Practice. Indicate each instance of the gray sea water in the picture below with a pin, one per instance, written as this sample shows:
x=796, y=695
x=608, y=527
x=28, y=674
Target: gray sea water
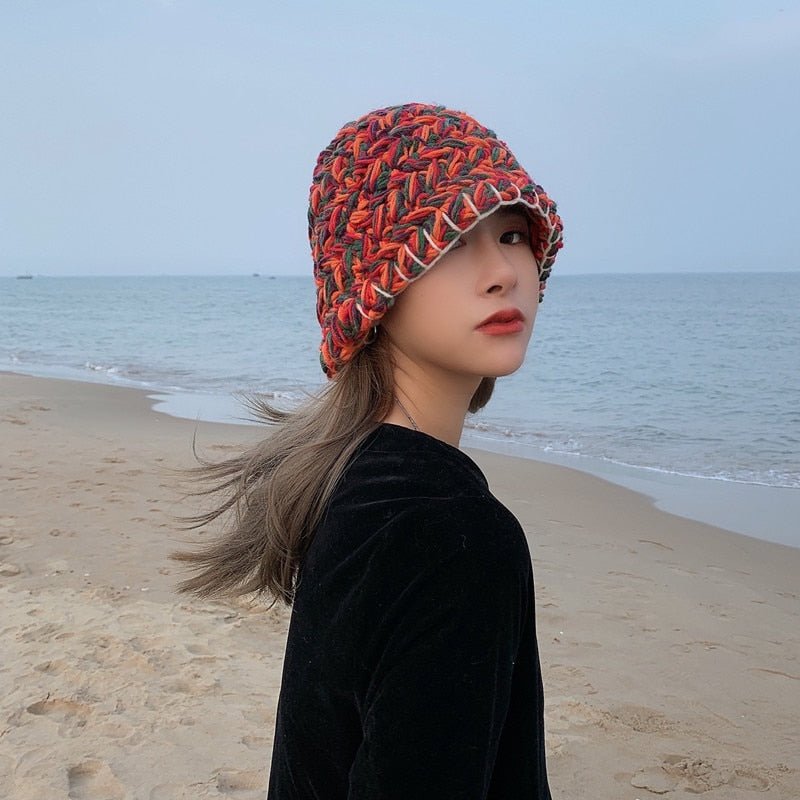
x=690, y=374
x=694, y=374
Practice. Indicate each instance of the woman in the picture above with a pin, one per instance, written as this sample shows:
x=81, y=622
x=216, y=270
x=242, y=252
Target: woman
x=411, y=667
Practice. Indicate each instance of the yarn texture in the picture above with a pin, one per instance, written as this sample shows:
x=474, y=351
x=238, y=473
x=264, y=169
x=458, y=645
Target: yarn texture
x=390, y=196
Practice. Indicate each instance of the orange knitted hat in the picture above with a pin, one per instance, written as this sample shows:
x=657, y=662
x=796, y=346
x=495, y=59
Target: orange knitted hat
x=390, y=195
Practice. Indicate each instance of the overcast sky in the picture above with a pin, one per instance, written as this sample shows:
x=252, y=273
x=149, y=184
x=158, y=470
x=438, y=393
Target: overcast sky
x=179, y=136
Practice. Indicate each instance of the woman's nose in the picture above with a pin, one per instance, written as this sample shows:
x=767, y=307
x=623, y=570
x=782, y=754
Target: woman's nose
x=499, y=272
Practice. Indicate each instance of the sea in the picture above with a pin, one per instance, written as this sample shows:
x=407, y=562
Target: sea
x=678, y=385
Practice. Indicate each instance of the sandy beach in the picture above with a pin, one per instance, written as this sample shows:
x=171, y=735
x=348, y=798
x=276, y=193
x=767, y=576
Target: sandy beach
x=670, y=648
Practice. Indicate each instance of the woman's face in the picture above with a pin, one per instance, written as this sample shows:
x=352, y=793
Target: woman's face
x=435, y=322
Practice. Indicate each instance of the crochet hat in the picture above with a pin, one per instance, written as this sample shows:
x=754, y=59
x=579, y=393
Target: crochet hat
x=390, y=195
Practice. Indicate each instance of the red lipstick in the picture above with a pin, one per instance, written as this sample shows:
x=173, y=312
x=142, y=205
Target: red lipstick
x=507, y=320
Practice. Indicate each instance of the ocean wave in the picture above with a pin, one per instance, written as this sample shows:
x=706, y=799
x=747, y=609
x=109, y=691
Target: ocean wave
x=101, y=368
x=530, y=443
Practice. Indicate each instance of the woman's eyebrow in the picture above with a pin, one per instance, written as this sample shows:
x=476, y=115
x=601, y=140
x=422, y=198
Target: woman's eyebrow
x=512, y=211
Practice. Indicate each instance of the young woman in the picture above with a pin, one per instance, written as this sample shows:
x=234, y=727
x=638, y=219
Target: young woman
x=411, y=668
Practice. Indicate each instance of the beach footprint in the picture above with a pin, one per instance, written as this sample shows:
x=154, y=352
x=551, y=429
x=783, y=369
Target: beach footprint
x=233, y=782
x=641, y=719
x=255, y=742
x=53, y=666
x=69, y=715
x=752, y=779
x=94, y=780
x=699, y=775
x=654, y=779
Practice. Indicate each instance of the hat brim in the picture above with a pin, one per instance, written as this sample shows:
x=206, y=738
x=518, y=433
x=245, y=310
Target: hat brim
x=422, y=235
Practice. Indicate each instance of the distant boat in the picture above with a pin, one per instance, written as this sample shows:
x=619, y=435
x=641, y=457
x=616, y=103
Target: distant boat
x=25, y=277
x=256, y=275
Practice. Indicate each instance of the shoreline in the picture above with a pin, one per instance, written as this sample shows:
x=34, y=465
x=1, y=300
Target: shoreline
x=758, y=510
x=764, y=512
x=767, y=513
x=670, y=648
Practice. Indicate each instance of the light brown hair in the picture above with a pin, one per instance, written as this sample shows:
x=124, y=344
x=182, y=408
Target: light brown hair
x=273, y=495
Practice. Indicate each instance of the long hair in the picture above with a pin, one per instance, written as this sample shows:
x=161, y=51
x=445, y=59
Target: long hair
x=273, y=495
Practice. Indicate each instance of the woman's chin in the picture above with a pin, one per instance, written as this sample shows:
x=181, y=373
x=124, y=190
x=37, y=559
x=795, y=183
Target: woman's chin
x=502, y=367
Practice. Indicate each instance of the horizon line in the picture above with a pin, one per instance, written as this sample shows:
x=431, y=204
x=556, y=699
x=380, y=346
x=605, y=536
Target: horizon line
x=245, y=274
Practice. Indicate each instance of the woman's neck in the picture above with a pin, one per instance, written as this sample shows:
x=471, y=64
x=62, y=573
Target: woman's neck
x=436, y=405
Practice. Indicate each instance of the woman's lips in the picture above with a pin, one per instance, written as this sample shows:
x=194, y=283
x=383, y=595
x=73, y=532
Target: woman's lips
x=501, y=328
x=507, y=320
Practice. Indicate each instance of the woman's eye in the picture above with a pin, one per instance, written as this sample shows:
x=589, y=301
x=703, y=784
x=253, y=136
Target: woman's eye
x=518, y=237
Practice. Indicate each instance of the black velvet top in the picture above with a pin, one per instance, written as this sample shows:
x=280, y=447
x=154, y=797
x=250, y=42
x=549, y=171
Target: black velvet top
x=412, y=670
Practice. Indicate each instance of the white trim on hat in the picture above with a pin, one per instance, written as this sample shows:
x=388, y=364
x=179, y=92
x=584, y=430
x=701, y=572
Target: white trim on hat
x=422, y=264
x=451, y=223
x=498, y=195
x=431, y=242
x=381, y=291
x=469, y=202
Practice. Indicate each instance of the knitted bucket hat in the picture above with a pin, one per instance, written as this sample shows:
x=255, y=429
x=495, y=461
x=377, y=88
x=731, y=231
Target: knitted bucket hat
x=390, y=195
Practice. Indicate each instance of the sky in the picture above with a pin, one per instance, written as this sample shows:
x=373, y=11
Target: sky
x=179, y=136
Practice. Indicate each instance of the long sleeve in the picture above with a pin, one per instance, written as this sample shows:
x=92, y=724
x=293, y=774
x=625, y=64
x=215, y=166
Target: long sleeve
x=412, y=667
x=445, y=649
